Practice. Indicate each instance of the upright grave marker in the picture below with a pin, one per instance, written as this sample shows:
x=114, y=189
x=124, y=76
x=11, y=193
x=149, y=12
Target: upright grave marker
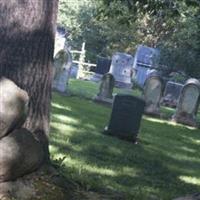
x=121, y=68
x=62, y=64
x=106, y=89
x=153, y=93
x=188, y=103
x=103, y=67
x=125, y=118
x=171, y=94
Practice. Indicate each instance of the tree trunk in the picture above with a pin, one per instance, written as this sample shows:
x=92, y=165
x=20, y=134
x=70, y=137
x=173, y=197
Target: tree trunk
x=26, y=54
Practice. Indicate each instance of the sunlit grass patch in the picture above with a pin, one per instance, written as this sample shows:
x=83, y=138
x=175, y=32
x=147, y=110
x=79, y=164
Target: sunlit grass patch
x=158, y=167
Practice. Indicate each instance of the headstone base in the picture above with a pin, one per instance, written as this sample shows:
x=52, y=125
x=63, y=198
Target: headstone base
x=131, y=137
x=103, y=100
x=185, y=119
x=96, y=77
x=123, y=85
x=151, y=110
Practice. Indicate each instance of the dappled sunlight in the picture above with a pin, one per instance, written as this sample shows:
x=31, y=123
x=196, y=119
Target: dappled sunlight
x=63, y=128
x=188, y=149
x=66, y=119
x=81, y=166
x=191, y=180
x=163, y=121
x=56, y=105
x=164, y=153
x=168, y=108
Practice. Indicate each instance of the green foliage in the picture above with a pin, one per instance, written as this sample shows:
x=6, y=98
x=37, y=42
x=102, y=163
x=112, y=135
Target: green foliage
x=120, y=25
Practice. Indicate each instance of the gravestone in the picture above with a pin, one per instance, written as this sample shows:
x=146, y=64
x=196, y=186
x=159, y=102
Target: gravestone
x=188, y=103
x=145, y=59
x=103, y=67
x=125, y=118
x=60, y=38
x=106, y=89
x=171, y=94
x=62, y=65
x=121, y=68
x=153, y=93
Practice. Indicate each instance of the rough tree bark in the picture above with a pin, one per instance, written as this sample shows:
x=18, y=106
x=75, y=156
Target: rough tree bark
x=26, y=53
x=27, y=29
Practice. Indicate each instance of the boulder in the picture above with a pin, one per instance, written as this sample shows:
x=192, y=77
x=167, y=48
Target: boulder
x=13, y=106
x=20, y=154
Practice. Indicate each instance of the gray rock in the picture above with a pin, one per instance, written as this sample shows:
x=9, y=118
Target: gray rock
x=20, y=154
x=13, y=106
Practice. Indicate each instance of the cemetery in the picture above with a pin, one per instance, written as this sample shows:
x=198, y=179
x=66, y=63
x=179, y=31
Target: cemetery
x=118, y=133
x=98, y=103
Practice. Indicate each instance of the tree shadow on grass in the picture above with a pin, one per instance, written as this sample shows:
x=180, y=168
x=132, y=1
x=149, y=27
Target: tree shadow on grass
x=161, y=165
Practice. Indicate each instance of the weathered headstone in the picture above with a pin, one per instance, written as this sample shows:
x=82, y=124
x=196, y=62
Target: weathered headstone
x=126, y=116
x=13, y=106
x=188, y=103
x=171, y=94
x=153, y=93
x=60, y=38
x=62, y=64
x=121, y=68
x=106, y=89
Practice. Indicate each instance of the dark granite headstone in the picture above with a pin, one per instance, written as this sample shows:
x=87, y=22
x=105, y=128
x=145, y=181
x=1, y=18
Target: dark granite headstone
x=125, y=117
x=103, y=65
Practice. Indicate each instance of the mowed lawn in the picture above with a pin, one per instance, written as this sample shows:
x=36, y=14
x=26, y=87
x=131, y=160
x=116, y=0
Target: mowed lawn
x=164, y=165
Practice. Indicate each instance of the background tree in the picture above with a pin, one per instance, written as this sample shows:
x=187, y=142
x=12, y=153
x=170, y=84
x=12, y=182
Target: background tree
x=120, y=25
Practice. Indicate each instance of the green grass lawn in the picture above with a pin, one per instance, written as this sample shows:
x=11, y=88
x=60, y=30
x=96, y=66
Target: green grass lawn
x=164, y=165
x=88, y=89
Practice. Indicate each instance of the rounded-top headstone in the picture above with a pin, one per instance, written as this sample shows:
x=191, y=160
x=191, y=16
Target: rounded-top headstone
x=189, y=96
x=188, y=103
x=13, y=106
x=153, y=93
x=62, y=65
x=106, y=86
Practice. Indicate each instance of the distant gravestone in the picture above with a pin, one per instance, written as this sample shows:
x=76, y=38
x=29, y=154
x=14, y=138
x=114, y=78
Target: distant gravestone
x=171, y=94
x=121, y=68
x=188, y=103
x=125, y=118
x=153, y=93
x=62, y=64
x=145, y=59
x=103, y=65
x=106, y=89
